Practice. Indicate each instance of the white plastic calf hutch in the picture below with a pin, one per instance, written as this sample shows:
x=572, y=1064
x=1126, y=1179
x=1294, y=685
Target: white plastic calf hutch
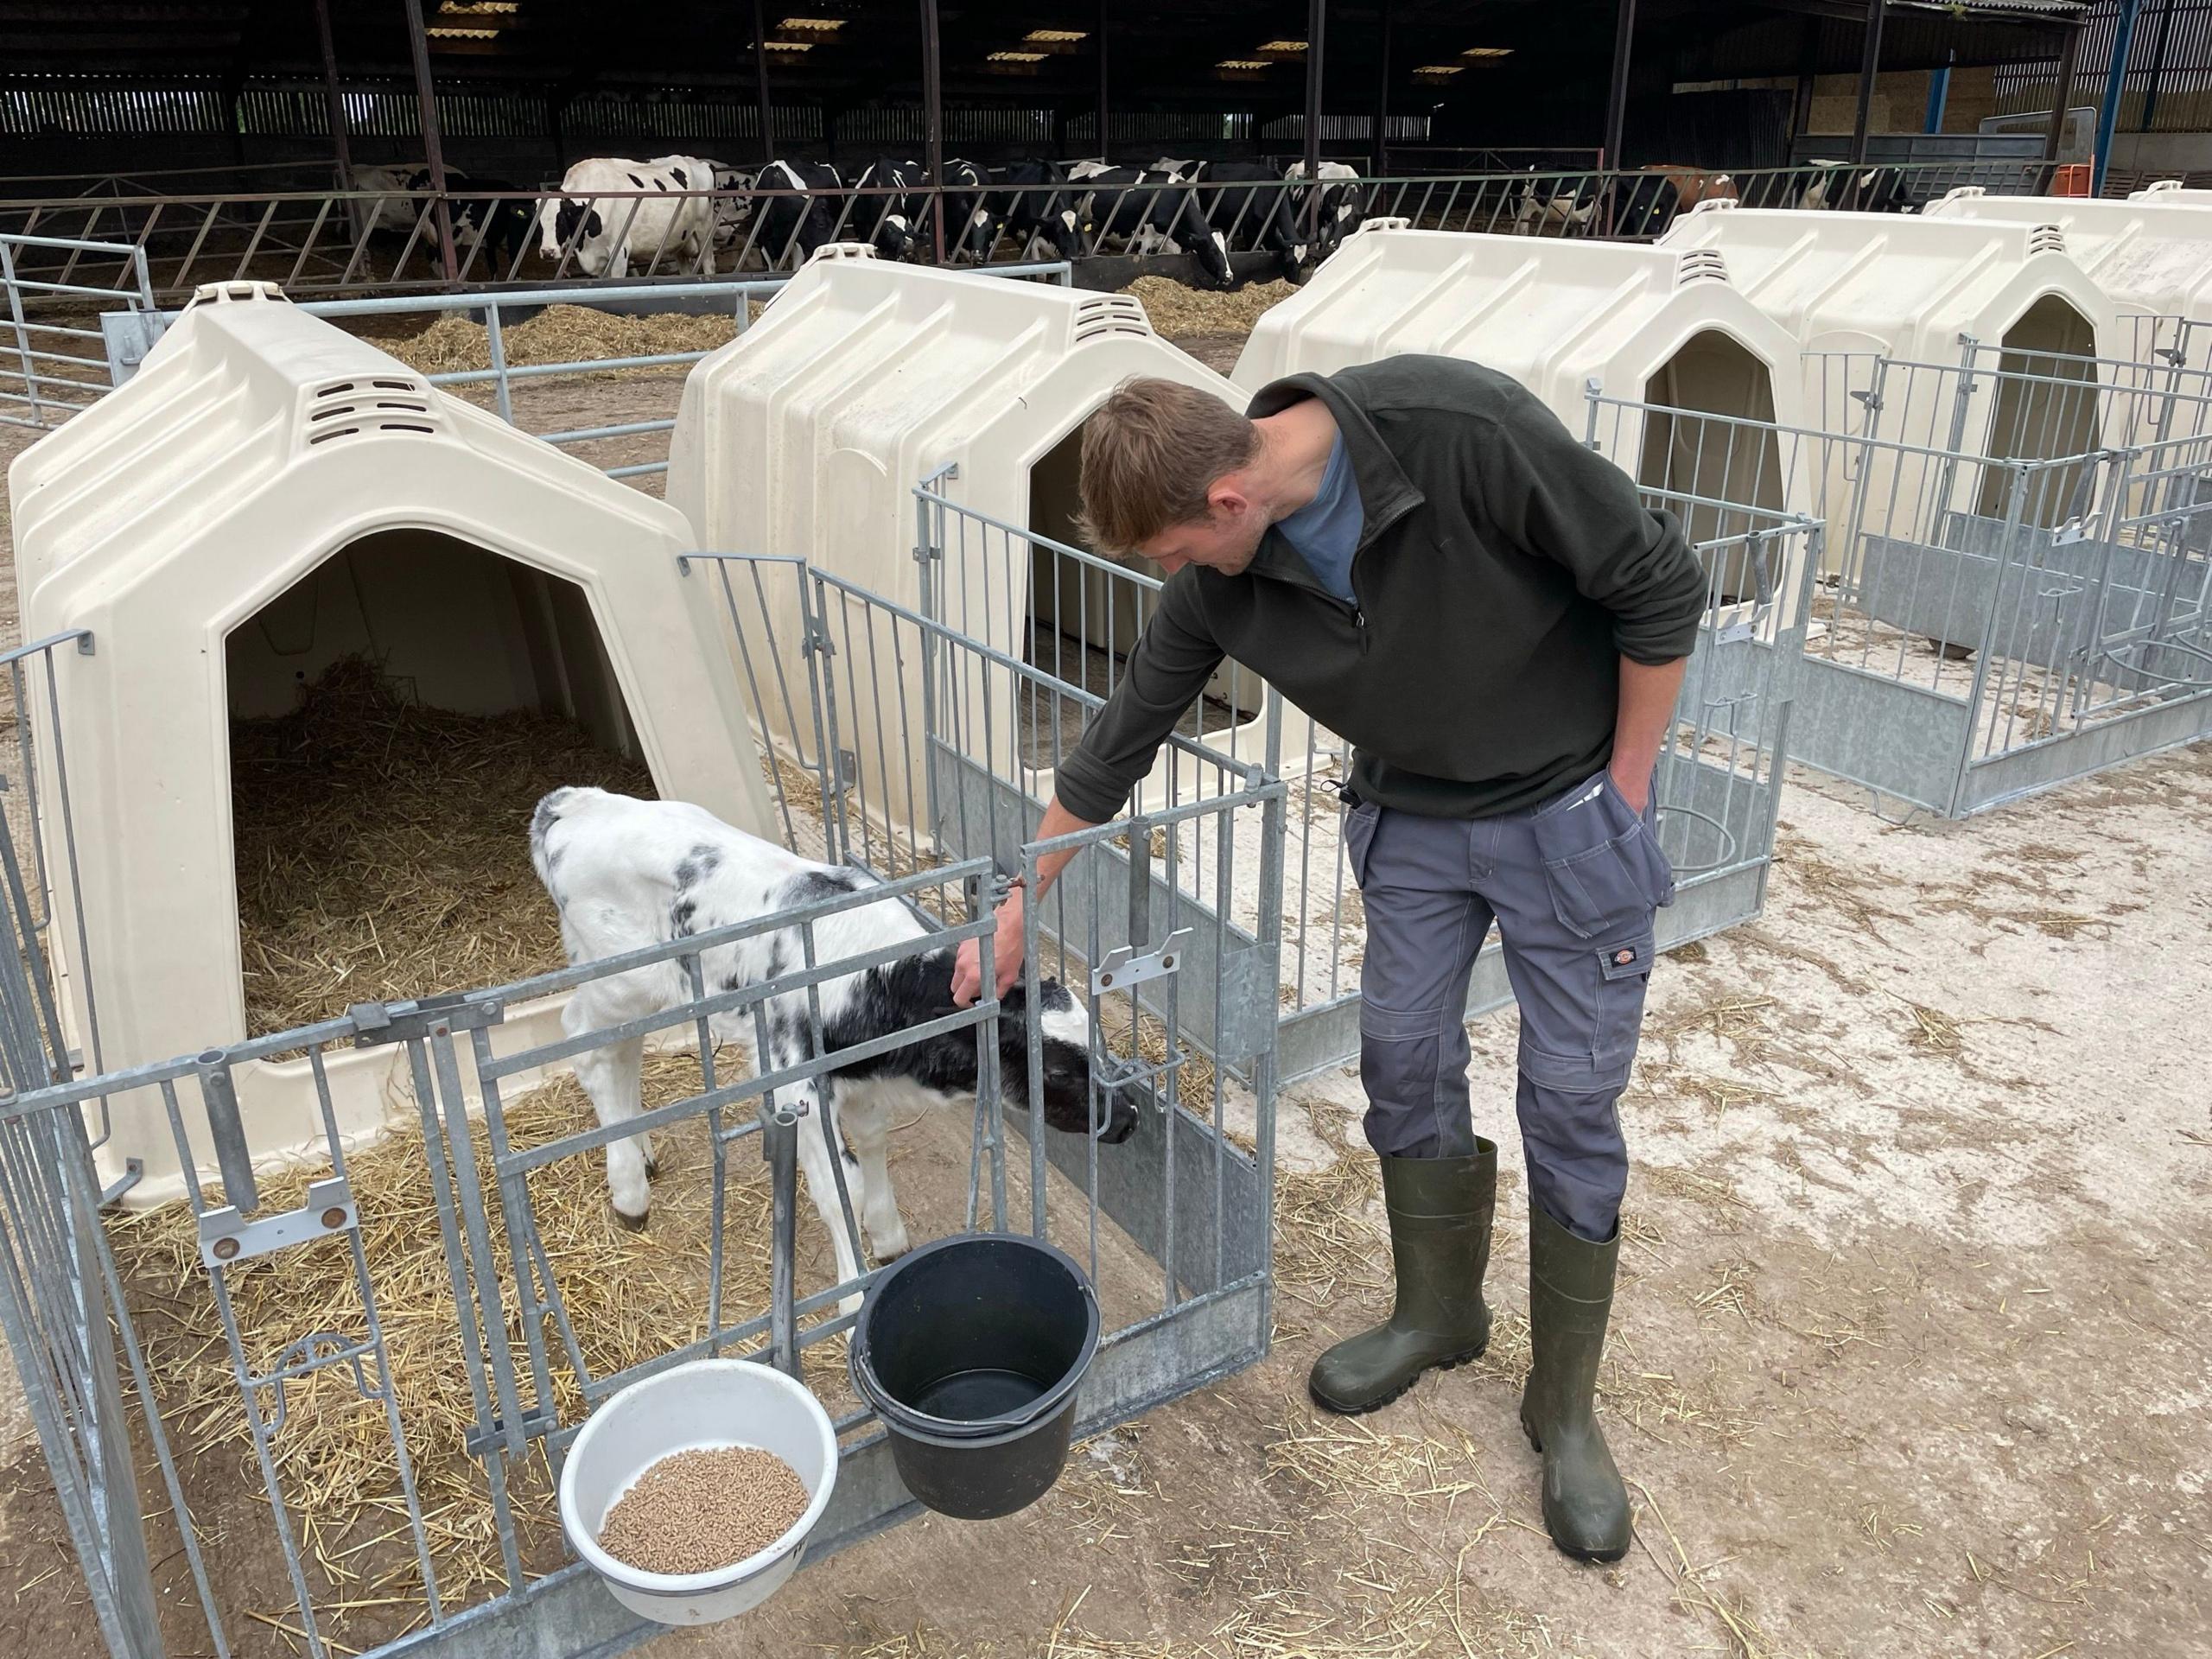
x=807, y=434
x=2152, y=254
x=1987, y=633
x=1853, y=289
x=1637, y=323
x=267, y=496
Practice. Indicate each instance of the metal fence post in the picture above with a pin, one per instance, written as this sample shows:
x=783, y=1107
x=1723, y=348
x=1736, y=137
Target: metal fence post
x=495, y=339
x=2008, y=557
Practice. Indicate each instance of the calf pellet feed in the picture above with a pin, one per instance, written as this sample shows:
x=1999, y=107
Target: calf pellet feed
x=694, y=1511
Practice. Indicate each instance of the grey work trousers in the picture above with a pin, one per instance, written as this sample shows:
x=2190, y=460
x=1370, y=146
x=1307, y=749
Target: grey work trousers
x=1573, y=884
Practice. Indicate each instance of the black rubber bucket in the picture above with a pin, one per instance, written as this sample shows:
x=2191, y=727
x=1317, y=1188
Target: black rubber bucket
x=970, y=1349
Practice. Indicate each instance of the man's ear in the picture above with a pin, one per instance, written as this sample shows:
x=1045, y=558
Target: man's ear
x=1226, y=496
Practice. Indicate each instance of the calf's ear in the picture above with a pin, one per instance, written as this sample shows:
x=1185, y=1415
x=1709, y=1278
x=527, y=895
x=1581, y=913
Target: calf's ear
x=594, y=224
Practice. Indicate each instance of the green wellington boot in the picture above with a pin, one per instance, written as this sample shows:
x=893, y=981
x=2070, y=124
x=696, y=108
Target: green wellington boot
x=1440, y=1210
x=1570, y=1294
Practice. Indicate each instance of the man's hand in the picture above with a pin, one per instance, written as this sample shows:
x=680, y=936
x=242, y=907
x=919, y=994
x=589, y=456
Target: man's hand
x=1006, y=956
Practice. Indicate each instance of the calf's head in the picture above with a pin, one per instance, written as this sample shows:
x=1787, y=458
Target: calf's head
x=1060, y=1025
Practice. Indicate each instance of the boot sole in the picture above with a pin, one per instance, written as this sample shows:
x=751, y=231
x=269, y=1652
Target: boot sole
x=1602, y=1556
x=1451, y=1365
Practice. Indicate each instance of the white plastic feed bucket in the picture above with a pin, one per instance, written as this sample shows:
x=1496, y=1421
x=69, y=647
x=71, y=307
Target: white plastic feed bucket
x=704, y=1405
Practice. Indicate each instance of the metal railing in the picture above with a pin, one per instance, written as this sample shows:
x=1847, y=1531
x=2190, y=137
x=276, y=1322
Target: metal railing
x=343, y=241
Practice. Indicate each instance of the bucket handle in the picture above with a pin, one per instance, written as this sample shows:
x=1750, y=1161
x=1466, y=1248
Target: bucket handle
x=872, y=1389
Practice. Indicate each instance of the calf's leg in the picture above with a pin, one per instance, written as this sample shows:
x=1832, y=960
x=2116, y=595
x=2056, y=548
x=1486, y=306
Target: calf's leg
x=611, y=1076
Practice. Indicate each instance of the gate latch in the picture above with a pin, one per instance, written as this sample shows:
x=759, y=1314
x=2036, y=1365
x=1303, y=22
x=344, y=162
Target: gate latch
x=1123, y=967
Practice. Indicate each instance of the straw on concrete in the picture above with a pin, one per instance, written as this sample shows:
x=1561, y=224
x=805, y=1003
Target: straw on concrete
x=382, y=847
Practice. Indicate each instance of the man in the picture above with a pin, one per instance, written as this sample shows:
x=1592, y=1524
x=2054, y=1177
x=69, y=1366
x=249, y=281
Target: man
x=1419, y=555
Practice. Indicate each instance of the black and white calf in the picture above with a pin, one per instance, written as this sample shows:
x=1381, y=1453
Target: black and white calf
x=626, y=874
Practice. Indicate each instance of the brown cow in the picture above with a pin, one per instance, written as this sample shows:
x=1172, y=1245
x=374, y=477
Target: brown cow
x=1650, y=197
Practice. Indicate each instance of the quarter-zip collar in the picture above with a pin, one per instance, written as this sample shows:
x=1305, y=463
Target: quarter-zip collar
x=1386, y=494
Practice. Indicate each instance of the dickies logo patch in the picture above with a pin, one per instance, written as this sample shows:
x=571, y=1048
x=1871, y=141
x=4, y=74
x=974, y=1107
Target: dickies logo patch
x=1624, y=958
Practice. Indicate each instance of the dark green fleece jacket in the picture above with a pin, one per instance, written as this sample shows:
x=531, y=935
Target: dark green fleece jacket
x=1502, y=573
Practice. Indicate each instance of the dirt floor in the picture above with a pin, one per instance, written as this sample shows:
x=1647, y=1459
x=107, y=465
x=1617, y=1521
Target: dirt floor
x=1909, y=1355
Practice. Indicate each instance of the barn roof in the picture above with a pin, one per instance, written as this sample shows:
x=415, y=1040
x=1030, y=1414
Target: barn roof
x=1225, y=55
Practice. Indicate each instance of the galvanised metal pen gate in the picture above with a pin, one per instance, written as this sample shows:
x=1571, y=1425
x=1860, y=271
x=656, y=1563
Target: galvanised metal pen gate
x=365, y=1381
x=1071, y=618
x=2017, y=586
x=54, y=362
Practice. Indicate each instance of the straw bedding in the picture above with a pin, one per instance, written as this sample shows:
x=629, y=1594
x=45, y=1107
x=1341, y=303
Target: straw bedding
x=383, y=847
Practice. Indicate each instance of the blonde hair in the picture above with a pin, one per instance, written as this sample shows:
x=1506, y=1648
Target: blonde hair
x=1150, y=453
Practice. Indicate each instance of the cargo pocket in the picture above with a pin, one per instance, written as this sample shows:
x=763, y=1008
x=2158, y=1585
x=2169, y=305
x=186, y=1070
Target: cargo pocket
x=1624, y=977
x=1360, y=826
x=1604, y=870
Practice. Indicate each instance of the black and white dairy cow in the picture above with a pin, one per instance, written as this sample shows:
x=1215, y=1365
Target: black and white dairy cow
x=733, y=202
x=601, y=221
x=1031, y=202
x=1555, y=204
x=396, y=209
x=498, y=223
x=793, y=225
x=1154, y=212
x=1251, y=209
x=626, y=874
x=1869, y=190
x=1342, y=207
x=971, y=220
x=891, y=219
